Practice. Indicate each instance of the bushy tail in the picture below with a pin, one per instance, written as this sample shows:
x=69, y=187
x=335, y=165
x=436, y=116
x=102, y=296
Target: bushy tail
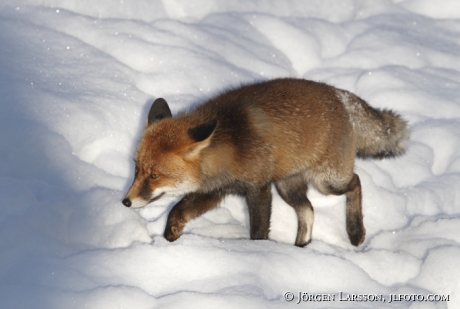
x=379, y=133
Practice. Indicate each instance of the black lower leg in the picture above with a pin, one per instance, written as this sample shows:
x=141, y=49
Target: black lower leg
x=190, y=207
x=259, y=202
x=355, y=226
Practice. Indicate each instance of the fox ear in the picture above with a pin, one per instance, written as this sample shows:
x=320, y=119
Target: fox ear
x=201, y=134
x=158, y=111
x=202, y=131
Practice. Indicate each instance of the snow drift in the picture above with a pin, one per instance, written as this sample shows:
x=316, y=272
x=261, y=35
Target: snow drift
x=77, y=79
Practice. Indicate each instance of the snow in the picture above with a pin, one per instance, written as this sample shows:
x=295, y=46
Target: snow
x=76, y=81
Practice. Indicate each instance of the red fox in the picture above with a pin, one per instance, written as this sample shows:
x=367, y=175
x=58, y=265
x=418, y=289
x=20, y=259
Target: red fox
x=289, y=132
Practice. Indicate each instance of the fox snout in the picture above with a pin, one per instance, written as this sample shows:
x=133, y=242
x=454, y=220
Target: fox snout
x=138, y=202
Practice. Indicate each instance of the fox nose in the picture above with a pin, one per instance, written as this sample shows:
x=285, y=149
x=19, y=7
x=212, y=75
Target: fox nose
x=126, y=202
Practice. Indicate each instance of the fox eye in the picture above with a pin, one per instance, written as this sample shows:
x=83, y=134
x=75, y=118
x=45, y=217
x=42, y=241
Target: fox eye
x=154, y=176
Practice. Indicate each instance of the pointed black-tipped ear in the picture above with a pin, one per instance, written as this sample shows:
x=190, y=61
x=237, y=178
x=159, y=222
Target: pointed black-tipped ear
x=202, y=131
x=158, y=111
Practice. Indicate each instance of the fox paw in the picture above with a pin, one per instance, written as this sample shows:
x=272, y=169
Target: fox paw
x=356, y=234
x=173, y=232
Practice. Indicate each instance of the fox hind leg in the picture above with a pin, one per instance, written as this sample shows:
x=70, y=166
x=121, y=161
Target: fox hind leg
x=293, y=190
x=355, y=226
x=354, y=215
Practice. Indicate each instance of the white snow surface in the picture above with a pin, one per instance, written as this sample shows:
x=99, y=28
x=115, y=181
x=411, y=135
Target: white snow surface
x=77, y=78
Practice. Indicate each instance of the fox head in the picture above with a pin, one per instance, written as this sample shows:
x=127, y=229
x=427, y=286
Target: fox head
x=168, y=156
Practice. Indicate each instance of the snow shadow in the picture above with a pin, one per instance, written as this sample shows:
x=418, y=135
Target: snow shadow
x=54, y=204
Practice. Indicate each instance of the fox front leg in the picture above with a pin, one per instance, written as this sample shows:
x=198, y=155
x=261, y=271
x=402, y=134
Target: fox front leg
x=190, y=207
x=259, y=202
